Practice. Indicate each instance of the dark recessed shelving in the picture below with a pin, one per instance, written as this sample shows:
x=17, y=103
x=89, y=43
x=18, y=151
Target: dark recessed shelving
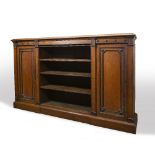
x=64, y=73
x=65, y=77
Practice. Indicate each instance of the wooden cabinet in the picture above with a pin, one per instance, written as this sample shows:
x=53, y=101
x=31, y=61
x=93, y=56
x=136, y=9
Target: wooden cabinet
x=87, y=78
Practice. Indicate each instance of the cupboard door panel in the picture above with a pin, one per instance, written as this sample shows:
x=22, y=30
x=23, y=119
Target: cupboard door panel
x=26, y=73
x=111, y=83
x=111, y=80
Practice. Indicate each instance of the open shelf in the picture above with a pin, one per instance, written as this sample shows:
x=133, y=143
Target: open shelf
x=70, y=52
x=66, y=106
x=82, y=67
x=67, y=89
x=65, y=60
x=71, y=81
x=48, y=95
x=63, y=73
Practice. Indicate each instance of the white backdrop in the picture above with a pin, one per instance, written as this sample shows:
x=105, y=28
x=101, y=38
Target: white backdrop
x=23, y=132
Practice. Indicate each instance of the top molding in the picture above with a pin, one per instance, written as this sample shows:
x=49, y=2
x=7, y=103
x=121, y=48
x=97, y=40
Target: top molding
x=128, y=35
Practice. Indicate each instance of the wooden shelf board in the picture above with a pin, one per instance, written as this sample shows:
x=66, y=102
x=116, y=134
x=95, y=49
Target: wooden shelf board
x=65, y=60
x=67, y=106
x=67, y=89
x=63, y=73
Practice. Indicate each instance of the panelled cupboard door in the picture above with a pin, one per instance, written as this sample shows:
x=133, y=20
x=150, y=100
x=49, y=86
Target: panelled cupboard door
x=111, y=77
x=25, y=74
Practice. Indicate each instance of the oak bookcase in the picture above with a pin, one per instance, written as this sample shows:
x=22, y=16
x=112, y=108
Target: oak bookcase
x=85, y=78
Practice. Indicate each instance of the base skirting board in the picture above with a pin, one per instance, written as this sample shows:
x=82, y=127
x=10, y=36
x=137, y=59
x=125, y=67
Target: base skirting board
x=81, y=117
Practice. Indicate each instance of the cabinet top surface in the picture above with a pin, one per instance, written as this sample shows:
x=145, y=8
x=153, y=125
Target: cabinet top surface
x=80, y=37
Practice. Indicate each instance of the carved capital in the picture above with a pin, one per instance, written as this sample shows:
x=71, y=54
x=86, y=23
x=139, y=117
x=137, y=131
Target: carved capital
x=15, y=44
x=36, y=43
x=93, y=43
x=131, y=42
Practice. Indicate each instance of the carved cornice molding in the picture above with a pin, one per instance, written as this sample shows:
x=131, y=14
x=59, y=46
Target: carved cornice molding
x=129, y=41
